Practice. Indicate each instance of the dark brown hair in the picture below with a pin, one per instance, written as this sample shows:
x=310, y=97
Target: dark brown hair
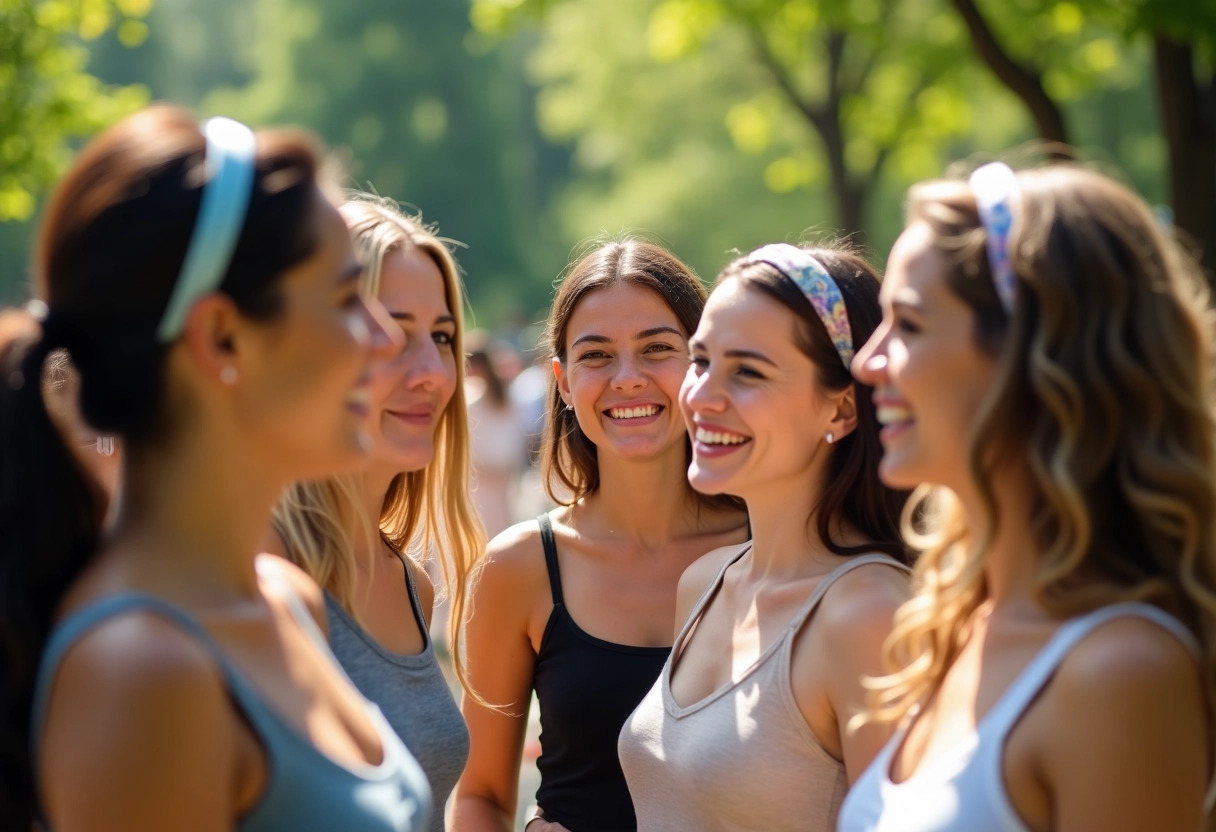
x=108, y=254
x=853, y=493
x=568, y=457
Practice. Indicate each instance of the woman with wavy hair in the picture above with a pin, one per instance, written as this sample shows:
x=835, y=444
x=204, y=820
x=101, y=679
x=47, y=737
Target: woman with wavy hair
x=1044, y=367
x=578, y=604
x=783, y=627
x=158, y=673
x=355, y=534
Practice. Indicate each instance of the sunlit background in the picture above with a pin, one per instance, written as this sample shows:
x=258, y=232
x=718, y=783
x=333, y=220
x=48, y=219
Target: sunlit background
x=524, y=128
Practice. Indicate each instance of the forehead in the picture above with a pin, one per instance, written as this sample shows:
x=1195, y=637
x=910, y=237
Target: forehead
x=915, y=270
x=620, y=311
x=741, y=316
x=410, y=279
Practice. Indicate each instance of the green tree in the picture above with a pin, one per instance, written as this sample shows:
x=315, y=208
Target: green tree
x=47, y=98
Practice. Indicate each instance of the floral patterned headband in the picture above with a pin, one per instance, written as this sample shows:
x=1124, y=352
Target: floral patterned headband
x=995, y=187
x=820, y=289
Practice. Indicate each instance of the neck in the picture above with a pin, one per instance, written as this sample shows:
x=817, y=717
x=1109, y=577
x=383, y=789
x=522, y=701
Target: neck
x=646, y=501
x=192, y=514
x=785, y=539
x=1011, y=560
x=373, y=485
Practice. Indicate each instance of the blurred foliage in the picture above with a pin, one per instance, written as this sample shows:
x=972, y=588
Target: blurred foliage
x=47, y=98
x=525, y=128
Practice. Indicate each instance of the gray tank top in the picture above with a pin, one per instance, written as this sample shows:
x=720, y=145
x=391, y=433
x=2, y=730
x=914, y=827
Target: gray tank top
x=742, y=757
x=305, y=790
x=412, y=693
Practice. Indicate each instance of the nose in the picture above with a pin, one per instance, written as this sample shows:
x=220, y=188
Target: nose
x=425, y=367
x=628, y=375
x=869, y=366
x=376, y=328
x=699, y=392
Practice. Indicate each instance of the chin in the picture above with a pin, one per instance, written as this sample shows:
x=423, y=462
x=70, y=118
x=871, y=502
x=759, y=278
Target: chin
x=705, y=483
x=895, y=475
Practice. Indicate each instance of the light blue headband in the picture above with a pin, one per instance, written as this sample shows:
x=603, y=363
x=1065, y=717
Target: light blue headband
x=995, y=186
x=819, y=287
x=229, y=169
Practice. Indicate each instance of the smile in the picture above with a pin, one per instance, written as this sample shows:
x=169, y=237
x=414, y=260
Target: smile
x=633, y=412
x=717, y=437
x=893, y=414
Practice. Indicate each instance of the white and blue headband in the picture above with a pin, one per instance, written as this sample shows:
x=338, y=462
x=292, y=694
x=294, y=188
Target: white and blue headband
x=229, y=170
x=809, y=275
x=995, y=187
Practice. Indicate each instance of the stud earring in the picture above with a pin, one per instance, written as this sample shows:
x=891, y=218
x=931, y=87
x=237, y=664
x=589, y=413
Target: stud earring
x=831, y=437
x=570, y=407
x=228, y=376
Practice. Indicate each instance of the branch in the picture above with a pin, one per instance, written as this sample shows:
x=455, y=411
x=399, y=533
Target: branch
x=1023, y=82
x=818, y=116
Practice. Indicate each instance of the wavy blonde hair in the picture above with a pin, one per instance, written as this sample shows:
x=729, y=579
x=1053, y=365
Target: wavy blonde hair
x=424, y=511
x=1104, y=383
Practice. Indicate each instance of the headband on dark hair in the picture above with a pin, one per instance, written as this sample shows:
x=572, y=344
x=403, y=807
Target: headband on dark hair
x=820, y=288
x=229, y=169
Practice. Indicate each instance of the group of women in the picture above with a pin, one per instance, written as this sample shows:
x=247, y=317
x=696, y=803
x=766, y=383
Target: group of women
x=934, y=552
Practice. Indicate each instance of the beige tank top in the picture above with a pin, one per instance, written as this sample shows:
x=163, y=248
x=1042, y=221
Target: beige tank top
x=742, y=757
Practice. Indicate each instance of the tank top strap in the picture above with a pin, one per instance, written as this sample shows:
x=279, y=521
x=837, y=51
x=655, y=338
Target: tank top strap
x=1008, y=709
x=80, y=622
x=703, y=601
x=549, y=542
x=270, y=572
x=412, y=586
x=799, y=619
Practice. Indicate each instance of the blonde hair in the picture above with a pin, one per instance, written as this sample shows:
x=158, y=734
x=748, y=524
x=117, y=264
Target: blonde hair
x=1103, y=382
x=423, y=511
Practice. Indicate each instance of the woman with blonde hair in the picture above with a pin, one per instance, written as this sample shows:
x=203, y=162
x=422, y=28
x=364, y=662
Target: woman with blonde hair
x=355, y=535
x=578, y=605
x=1044, y=367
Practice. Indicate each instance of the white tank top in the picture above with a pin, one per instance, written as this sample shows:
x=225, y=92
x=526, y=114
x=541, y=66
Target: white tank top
x=964, y=790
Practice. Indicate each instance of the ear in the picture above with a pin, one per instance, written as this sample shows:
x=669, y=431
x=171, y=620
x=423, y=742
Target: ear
x=212, y=334
x=563, y=383
x=844, y=418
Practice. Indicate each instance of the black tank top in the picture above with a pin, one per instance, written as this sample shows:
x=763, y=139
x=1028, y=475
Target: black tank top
x=586, y=688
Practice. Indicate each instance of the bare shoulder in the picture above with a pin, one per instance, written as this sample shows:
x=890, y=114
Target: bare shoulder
x=861, y=601
x=297, y=581
x=512, y=573
x=1129, y=661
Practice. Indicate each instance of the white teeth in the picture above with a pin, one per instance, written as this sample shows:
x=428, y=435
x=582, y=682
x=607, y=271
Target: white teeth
x=632, y=412
x=713, y=437
x=888, y=414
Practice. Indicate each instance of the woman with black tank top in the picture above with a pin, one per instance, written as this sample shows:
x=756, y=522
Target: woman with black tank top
x=579, y=606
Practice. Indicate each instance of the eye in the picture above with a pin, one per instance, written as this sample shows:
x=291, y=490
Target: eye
x=699, y=363
x=593, y=355
x=443, y=339
x=902, y=324
x=748, y=372
x=659, y=346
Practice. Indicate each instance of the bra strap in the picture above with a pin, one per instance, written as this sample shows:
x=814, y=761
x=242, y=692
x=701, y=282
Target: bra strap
x=549, y=542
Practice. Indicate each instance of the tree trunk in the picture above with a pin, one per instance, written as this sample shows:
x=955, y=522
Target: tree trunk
x=1188, y=118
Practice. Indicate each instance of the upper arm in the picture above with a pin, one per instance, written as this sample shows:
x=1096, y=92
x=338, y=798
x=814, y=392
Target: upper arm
x=506, y=596
x=139, y=734
x=852, y=625
x=696, y=579
x=1126, y=745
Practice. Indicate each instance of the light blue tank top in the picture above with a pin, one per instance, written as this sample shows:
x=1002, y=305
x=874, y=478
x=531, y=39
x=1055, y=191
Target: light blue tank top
x=305, y=790
x=964, y=790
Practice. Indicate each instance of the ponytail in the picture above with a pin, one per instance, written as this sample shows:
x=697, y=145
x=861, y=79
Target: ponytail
x=50, y=516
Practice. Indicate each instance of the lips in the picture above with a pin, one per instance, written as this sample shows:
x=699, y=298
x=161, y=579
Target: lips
x=893, y=414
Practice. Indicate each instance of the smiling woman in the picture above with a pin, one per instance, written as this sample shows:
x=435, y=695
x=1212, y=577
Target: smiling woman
x=579, y=605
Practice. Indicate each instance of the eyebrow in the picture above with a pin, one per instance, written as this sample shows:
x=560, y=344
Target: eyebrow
x=641, y=336
x=752, y=354
x=409, y=316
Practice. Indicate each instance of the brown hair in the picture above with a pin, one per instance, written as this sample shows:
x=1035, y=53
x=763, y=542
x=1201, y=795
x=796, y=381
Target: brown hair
x=568, y=457
x=854, y=494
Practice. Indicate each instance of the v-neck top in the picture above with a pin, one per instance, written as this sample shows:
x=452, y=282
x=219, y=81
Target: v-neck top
x=305, y=789
x=412, y=693
x=964, y=789
x=742, y=757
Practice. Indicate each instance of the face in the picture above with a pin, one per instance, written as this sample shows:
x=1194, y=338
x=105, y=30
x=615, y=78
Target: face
x=306, y=390
x=928, y=374
x=626, y=354
x=750, y=399
x=410, y=393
